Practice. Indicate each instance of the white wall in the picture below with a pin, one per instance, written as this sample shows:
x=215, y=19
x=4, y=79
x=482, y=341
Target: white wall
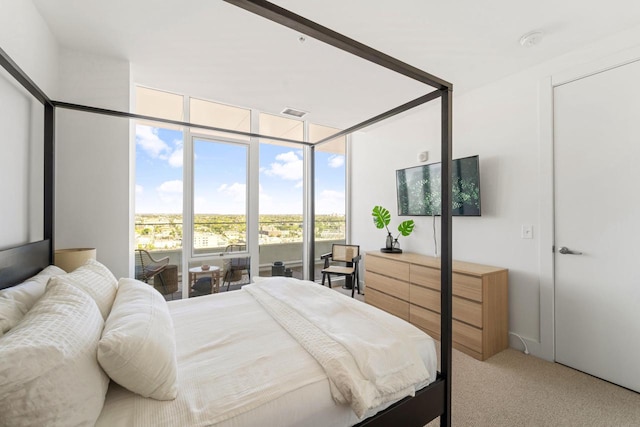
x=92, y=191
x=501, y=123
x=26, y=38
x=21, y=173
x=92, y=196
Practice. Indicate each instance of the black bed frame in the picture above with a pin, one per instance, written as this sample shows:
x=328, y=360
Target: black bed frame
x=19, y=263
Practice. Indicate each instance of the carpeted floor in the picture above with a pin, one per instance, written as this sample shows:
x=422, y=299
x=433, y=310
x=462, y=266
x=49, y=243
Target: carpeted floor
x=513, y=389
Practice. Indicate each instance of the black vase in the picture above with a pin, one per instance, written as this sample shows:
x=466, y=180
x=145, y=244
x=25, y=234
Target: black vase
x=389, y=243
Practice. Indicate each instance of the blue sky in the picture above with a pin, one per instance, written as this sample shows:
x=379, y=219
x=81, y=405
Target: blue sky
x=220, y=185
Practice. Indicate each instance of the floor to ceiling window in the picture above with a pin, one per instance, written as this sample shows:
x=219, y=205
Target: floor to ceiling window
x=281, y=175
x=330, y=189
x=219, y=195
x=194, y=191
x=220, y=177
x=159, y=170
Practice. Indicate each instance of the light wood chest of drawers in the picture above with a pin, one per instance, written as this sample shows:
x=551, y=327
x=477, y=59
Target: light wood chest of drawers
x=408, y=286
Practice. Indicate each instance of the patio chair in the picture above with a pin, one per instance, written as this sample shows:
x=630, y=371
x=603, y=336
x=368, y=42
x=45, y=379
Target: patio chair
x=235, y=267
x=148, y=267
x=347, y=258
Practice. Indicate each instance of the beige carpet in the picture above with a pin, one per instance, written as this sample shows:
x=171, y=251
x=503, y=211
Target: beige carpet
x=513, y=389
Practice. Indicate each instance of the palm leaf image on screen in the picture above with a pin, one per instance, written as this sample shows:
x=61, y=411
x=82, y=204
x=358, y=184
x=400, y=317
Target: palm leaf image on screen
x=419, y=188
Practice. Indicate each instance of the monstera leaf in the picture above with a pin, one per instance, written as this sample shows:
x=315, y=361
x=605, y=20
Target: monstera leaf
x=406, y=227
x=381, y=217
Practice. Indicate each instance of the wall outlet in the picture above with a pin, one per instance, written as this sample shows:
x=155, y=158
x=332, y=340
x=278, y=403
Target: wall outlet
x=527, y=232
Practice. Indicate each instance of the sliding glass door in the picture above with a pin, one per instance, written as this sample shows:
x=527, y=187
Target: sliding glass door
x=220, y=194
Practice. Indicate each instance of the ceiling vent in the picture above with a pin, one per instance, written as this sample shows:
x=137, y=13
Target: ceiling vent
x=293, y=112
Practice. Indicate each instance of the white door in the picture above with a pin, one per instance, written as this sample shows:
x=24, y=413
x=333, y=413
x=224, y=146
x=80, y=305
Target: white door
x=597, y=214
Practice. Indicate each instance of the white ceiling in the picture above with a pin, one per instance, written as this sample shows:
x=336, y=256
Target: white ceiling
x=213, y=50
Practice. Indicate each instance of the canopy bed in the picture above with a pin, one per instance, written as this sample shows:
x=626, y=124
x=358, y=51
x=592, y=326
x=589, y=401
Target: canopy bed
x=430, y=401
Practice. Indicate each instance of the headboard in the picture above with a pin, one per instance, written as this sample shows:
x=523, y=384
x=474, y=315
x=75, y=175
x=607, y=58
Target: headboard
x=22, y=262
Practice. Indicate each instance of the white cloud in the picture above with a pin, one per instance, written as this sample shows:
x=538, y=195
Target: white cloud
x=139, y=189
x=174, y=186
x=176, y=158
x=170, y=193
x=287, y=166
x=330, y=201
x=147, y=137
x=226, y=199
x=336, y=161
x=264, y=197
x=235, y=192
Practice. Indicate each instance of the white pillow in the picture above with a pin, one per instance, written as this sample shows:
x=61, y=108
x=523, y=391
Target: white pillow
x=96, y=280
x=17, y=300
x=49, y=374
x=138, y=347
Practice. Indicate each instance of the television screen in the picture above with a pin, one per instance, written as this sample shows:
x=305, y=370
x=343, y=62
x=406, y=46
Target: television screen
x=419, y=188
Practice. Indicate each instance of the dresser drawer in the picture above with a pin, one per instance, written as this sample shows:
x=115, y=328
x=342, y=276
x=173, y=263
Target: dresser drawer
x=424, y=297
x=388, y=285
x=425, y=319
x=467, y=311
x=467, y=336
x=387, y=267
x=464, y=286
x=464, y=310
x=469, y=287
x=387, y=303
x=425, y=276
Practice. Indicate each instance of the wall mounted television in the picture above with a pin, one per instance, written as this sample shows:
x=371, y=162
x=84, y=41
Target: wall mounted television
x=418, y=188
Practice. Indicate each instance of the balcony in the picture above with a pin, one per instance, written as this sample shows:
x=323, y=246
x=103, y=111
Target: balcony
x=280, y=239
x=289, y=253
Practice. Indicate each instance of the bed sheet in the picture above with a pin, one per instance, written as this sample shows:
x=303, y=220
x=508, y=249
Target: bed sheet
x=238, y=367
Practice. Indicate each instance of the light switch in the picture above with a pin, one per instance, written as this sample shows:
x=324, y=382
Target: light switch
x=527, y=232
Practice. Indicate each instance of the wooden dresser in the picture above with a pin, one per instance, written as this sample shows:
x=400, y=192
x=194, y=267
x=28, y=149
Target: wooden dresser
x=408, y=286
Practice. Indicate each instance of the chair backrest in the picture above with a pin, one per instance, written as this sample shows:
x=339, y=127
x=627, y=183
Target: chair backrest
x=147, y=266
x=235, y=248
x=140, y=258
x=344, y=253
x=241, y=263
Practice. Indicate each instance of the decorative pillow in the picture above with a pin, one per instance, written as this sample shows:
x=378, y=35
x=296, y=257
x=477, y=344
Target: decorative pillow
x=17, y=300
x=96, y=280
x=49, y=374
x=138, y=347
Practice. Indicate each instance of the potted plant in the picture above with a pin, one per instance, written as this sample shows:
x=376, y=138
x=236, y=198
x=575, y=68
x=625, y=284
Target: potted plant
x=381, y=219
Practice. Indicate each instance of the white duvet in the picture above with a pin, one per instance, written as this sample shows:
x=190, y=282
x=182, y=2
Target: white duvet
x=238, y=367
x=367, y=359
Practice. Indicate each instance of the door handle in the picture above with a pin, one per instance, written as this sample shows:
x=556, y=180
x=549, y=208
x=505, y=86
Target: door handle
x=566, y=251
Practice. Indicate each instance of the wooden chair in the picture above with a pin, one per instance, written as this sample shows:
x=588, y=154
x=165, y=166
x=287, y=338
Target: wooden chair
x=348, y=257
x=234, y=267
x=148, y=267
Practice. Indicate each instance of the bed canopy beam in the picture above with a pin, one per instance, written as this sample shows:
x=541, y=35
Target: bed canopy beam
x=126, y=115
x=413, y=410
x=298, y=23
x=25, y=81
x=446, y=263
x=48, y=150
x=383, y=116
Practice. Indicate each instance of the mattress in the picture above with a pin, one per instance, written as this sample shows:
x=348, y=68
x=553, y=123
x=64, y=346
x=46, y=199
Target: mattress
x=238, y=367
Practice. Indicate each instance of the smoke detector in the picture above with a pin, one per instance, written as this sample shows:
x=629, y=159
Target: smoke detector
x=293, y=112
x=531, y=39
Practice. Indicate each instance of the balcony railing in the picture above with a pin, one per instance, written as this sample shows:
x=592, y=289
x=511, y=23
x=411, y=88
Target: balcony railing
x=289, y=253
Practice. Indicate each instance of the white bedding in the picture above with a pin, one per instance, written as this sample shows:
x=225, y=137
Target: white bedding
x=367, y=365
x=238, y=367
